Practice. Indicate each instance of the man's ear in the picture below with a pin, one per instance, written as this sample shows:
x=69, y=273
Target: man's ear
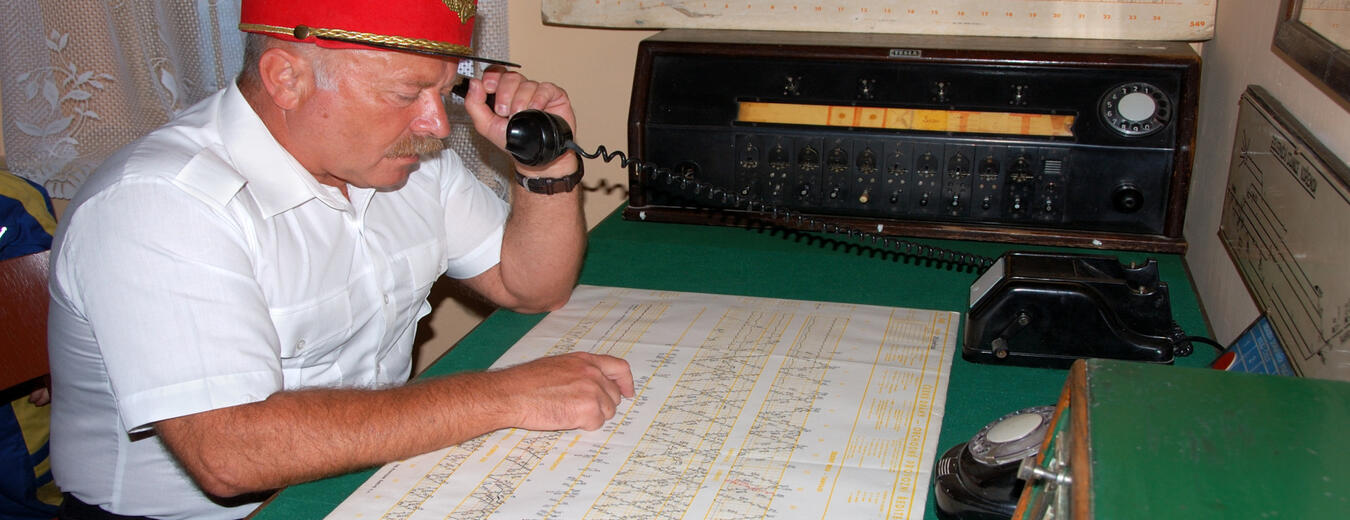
x=288, y=77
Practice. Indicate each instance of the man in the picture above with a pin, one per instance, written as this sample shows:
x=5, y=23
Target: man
x=234, y=296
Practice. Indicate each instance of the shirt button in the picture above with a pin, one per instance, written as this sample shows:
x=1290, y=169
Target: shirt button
x=299, y=345
x=386, y=299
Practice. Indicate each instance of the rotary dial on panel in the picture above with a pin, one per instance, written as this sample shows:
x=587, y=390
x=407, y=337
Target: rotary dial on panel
x=1136, y=109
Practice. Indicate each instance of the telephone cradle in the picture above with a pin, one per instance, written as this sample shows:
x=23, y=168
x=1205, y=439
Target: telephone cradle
x=1047, y=309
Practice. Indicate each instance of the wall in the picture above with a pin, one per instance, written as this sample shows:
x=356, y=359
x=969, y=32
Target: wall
x=1240, y=55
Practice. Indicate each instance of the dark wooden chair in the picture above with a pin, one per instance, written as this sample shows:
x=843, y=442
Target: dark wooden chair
x=23, y=324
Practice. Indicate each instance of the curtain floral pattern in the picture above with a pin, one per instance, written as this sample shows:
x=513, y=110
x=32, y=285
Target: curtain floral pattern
x=80, y=79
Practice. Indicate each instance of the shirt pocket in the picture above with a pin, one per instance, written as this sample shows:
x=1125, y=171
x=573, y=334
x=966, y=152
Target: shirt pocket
x=310, y=336
x=416, y=269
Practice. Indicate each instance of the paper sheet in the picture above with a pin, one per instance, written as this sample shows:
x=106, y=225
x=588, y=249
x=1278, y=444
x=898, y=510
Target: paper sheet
x=745, y=408
x=1191, y=20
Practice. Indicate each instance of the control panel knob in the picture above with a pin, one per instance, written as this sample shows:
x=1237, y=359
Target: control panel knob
x=956, y=201
x=895, y=197
x=923, y=200
x=1127, y=199
x=834, y=193
x=804, y=190
x=940, y=94
x=986, y=203
x=867, y=88
x=866, y=196
x=1017, y=205
x=792, y=85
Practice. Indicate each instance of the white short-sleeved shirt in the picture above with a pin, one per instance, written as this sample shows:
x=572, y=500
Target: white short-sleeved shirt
x=202, y=267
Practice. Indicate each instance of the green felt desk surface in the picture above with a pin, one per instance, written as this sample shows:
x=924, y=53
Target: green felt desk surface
x=776, y=264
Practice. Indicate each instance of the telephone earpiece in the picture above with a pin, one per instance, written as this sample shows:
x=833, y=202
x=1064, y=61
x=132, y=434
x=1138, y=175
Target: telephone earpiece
x=535, y=137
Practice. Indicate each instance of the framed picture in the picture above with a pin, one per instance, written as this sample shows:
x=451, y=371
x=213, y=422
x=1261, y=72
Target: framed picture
x=1313, y=35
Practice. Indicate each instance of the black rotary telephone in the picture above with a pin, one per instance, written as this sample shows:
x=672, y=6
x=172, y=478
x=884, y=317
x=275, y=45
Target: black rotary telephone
x=978, y=479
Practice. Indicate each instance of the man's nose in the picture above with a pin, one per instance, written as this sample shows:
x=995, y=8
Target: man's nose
x=431, y=120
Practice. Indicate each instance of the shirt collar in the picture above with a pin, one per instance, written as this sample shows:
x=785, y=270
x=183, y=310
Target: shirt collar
x=275, y=178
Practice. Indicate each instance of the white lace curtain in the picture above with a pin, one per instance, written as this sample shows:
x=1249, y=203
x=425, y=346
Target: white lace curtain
x=79, y=79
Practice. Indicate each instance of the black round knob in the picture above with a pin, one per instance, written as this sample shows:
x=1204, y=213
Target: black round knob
x=1127, y=198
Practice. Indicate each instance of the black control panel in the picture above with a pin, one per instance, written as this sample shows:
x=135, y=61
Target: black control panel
x=1015, y=140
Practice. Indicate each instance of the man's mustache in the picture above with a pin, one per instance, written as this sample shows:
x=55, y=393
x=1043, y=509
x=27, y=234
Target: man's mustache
x=420, y=146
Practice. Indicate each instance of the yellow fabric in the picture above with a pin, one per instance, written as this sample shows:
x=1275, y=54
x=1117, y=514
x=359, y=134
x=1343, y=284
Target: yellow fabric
x=35, y=423
x=16, y=188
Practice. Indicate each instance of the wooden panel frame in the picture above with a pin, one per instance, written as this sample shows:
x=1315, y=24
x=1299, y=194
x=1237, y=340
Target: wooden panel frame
x=950, y=49
x=1318, y=59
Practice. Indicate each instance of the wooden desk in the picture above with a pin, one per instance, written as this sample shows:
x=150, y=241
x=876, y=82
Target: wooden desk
x=720, y=260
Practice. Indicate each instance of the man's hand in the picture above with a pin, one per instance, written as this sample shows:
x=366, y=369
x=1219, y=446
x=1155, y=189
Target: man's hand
x=41, y=397
x=575, y=390
x=515, y=93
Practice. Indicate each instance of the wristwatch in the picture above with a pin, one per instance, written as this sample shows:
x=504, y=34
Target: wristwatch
x=552, y=185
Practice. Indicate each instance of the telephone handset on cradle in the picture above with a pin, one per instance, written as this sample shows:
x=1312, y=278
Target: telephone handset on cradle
x=1035, y=309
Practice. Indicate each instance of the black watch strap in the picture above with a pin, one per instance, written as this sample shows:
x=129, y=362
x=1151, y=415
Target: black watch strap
x=552, y=185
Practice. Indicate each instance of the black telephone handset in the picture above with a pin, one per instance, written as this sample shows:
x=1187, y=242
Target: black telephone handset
x=535, y=137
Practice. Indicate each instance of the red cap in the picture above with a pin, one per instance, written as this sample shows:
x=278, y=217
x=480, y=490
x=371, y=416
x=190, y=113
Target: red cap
x=436, y=27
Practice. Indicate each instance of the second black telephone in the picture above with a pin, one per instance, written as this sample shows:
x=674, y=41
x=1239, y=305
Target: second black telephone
x=1034, y=309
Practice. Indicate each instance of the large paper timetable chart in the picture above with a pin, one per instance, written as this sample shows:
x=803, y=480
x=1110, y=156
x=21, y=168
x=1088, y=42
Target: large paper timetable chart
x=745, y=408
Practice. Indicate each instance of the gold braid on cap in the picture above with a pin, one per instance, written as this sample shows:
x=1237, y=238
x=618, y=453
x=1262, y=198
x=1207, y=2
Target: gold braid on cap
x=304, y=32
x=466, y=9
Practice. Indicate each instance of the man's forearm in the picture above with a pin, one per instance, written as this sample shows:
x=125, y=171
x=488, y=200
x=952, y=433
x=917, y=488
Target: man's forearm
x=543, y=245
x=294, y=437
x=299, y=436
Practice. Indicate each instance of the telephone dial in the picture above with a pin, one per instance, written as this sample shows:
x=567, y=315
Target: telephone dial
x=1034, y=309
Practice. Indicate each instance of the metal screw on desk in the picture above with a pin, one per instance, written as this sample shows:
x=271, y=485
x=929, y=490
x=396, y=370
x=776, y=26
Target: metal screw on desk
x=1029, y=471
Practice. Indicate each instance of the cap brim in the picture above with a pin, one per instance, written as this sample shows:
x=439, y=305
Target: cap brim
x=428, y=52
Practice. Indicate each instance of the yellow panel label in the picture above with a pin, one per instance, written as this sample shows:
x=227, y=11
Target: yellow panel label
x=953, y=121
